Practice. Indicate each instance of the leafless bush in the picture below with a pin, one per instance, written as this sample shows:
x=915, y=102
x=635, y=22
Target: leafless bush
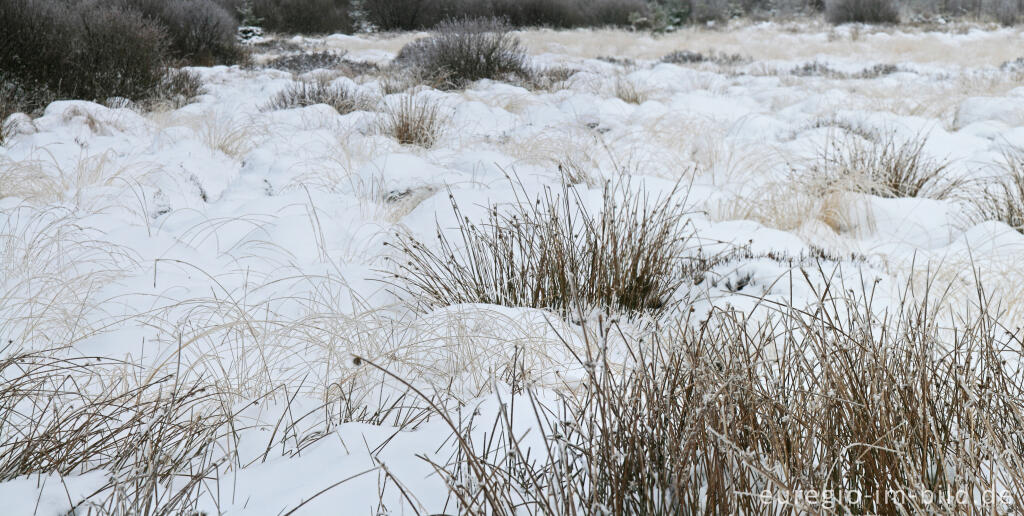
x=415, y=120
x=550, y=252
x=342, y=98
x=419, y=14
x=873, y=413
x=463, y=51
x=306, y=62
x=200, y=32
x=862, y=11
x=88, y=50
x=887, y=168
x=305, y=16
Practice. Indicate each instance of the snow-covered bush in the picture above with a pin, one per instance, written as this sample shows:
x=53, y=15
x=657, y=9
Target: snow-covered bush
x=199, y=31
x=862, y=11
x=463, y=51
x=552, y=252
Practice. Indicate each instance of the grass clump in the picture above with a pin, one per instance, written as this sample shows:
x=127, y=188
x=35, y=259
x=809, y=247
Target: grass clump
x=886, y=168
x=70, y=416
x=415, y=120
x=344, y=99
x=465, y=50
x=862, y=11
x=551, y=252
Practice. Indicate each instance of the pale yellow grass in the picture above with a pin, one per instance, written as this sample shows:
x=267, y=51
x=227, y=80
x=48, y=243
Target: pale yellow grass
x=804, y=41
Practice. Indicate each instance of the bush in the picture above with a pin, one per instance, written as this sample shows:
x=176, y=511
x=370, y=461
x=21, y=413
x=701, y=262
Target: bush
x=550, y=252
x=304, y=16
x=200, y=31
x=343, y=99
x=178, y=88
x=463, y=51
x=419, y=14
x=87, y=50
x=862, y=11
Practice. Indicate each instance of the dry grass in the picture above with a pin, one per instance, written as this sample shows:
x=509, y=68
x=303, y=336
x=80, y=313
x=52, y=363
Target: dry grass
x=1002, y=198
x=414, y=120
x=64, y=416
x=628, y=91
x=797, y=41
x=545, y=252
x=869, y=411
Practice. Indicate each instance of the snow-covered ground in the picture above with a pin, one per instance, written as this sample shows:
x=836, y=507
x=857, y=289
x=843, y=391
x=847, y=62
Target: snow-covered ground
x=246, y=246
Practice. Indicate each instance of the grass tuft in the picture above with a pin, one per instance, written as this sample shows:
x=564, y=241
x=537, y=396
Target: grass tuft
x=886, y=168
x=551, y=252
x=415, y=120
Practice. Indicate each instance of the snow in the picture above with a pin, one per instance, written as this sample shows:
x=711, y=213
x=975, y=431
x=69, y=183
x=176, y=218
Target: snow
x=161, y=224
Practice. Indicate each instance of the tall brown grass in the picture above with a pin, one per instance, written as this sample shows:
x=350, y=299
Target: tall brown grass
x=550, y=251
x=836, y=408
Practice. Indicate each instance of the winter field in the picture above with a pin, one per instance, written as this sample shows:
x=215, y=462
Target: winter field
x=771, y=269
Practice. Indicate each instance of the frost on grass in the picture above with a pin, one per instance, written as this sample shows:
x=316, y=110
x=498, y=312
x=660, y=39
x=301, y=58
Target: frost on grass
x=551, y=251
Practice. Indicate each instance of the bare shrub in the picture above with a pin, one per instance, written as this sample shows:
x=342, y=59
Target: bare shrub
x=89, y=50
x=886, y=168
x=305, y=16
x=306, y=62
x=463, y=51
x=200, y=32
x=419, y=14
x=550, y=252
x=862, y=11
x=342, y=98
x=707, y=416
x=416, y=120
